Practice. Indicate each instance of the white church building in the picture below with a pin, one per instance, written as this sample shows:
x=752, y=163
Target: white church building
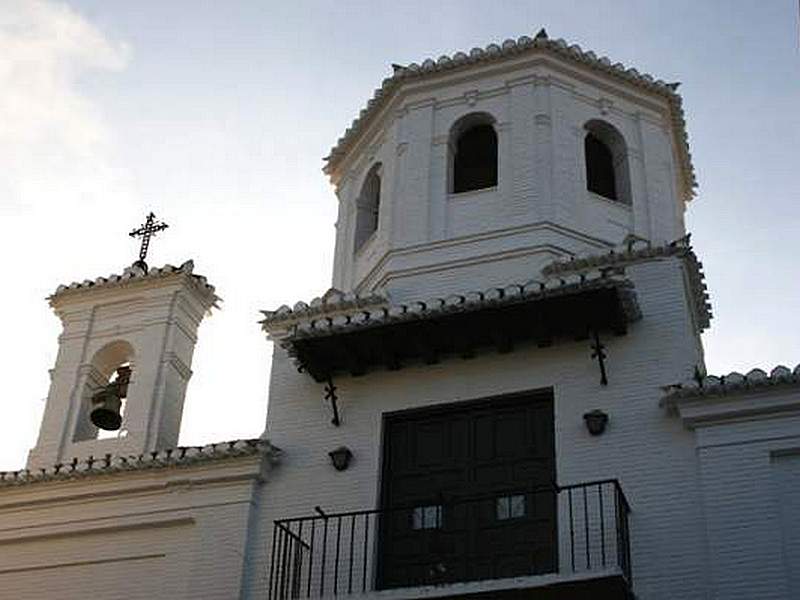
x=502, y=395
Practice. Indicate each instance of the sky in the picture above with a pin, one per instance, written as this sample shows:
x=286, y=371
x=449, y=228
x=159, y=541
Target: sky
x=216, y=115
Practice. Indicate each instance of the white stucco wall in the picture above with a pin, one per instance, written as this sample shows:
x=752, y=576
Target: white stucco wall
x=176, y=533
x=650, y=453
x=749, y=468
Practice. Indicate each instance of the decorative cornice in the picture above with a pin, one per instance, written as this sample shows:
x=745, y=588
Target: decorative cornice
x=362, y=318
x=636, y=250
x=332, y=301
x=134, y=275
x=180, y=457
x=733, y=383
x=514, y=48
x=735, y=397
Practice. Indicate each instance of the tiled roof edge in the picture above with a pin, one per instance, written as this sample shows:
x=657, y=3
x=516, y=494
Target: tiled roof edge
x=637, y=250
x=332, y=301
x=134, y=274
x=533, y=289
x=182, y=456
x=510, y=47
x=733, y=383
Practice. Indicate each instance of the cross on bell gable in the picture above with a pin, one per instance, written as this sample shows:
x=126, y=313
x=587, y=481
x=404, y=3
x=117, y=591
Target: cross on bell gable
x=147, y=231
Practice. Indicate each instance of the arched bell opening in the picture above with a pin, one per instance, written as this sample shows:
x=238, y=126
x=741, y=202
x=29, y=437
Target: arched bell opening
x=473, y=154
x=105, y=392
x=606, y=157
x=368, y=206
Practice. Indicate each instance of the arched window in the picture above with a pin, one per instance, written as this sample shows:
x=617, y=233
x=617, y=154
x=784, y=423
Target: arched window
x=368, y=206
x=474, y=150
x=606, y=162
x=105, y=392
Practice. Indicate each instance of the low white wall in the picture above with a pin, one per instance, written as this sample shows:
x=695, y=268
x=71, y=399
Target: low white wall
x=166, y=533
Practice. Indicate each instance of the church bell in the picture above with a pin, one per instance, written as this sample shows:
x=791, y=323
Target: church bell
x=107, y=402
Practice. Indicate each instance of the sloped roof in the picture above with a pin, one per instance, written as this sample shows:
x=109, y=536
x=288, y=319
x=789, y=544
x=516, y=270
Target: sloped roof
x=182, y=456
x=363, y=339
x=330, y=303
x=512, y=48
x=135, y=274
x=358, y=318
x=637, y=250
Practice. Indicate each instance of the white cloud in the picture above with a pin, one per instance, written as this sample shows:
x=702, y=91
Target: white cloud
x=56, y=167
x=51, y=134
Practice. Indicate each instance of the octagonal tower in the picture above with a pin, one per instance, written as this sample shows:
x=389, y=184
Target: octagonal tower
x=475, y=170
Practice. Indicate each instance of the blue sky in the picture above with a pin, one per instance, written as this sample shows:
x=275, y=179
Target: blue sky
x=216, y=116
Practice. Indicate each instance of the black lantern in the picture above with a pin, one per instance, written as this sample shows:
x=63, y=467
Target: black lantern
x=596, y=421
x=341, y=458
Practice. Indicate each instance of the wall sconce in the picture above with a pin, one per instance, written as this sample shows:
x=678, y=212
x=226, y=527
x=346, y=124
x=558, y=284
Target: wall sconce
x=596, y=421
x=341, y=458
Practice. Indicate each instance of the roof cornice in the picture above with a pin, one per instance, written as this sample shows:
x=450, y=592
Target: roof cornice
x=515, y=48
x=735, y=397
x=636, y=250
x=135, y=275
x=180, y=457
x=285, y=325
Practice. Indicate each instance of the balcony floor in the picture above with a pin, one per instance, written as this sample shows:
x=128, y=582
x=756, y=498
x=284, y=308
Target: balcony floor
x=594, y=585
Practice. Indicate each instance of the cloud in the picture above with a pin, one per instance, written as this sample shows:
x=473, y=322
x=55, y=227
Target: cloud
x=53, y=140
x=57, y=165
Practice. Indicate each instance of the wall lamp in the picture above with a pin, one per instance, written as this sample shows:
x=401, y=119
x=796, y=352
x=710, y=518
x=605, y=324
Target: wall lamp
x=596, y=421
x=341, y=458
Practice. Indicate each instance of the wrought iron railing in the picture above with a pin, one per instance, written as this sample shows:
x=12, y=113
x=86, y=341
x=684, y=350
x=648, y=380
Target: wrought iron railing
x=579, y=529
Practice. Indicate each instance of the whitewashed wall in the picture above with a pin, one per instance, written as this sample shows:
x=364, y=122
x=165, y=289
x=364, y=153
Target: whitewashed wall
x=649, y=452
x=165, y=533
x=749, y=468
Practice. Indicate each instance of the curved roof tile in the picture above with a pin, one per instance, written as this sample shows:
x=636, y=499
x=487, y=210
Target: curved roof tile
x=182, y=456
x=713, y=385
x=134, y=274
x=510, y=47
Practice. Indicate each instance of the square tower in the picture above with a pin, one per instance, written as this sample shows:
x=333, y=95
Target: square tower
x=123, y=363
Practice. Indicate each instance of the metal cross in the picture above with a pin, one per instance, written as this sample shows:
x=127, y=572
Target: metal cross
x=330, y=394
x=599, y=352
x=147, y=231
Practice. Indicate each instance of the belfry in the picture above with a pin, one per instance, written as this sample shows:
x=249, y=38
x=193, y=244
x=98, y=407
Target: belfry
x=126, y=347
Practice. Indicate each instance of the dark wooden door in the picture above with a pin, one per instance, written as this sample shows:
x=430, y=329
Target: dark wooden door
x=467, y=490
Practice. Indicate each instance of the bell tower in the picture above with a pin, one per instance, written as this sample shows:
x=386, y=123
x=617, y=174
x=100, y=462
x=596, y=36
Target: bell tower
x=477, y=169
x=123, y=364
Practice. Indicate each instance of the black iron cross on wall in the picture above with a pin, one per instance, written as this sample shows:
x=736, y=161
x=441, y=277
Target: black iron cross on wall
x=148, y=230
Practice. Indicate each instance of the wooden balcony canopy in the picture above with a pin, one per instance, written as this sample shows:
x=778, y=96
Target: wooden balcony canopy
x=500, y=319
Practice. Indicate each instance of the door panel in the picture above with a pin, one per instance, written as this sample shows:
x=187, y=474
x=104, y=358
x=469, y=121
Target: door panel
x=462, y=487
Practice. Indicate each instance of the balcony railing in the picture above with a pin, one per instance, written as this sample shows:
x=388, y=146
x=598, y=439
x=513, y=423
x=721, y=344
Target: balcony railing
x=579, y=530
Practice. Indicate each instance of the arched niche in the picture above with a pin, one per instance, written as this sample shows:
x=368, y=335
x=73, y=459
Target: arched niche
x=368, y=206
x=473, y=153
x=102, y=370
x=606, y=159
